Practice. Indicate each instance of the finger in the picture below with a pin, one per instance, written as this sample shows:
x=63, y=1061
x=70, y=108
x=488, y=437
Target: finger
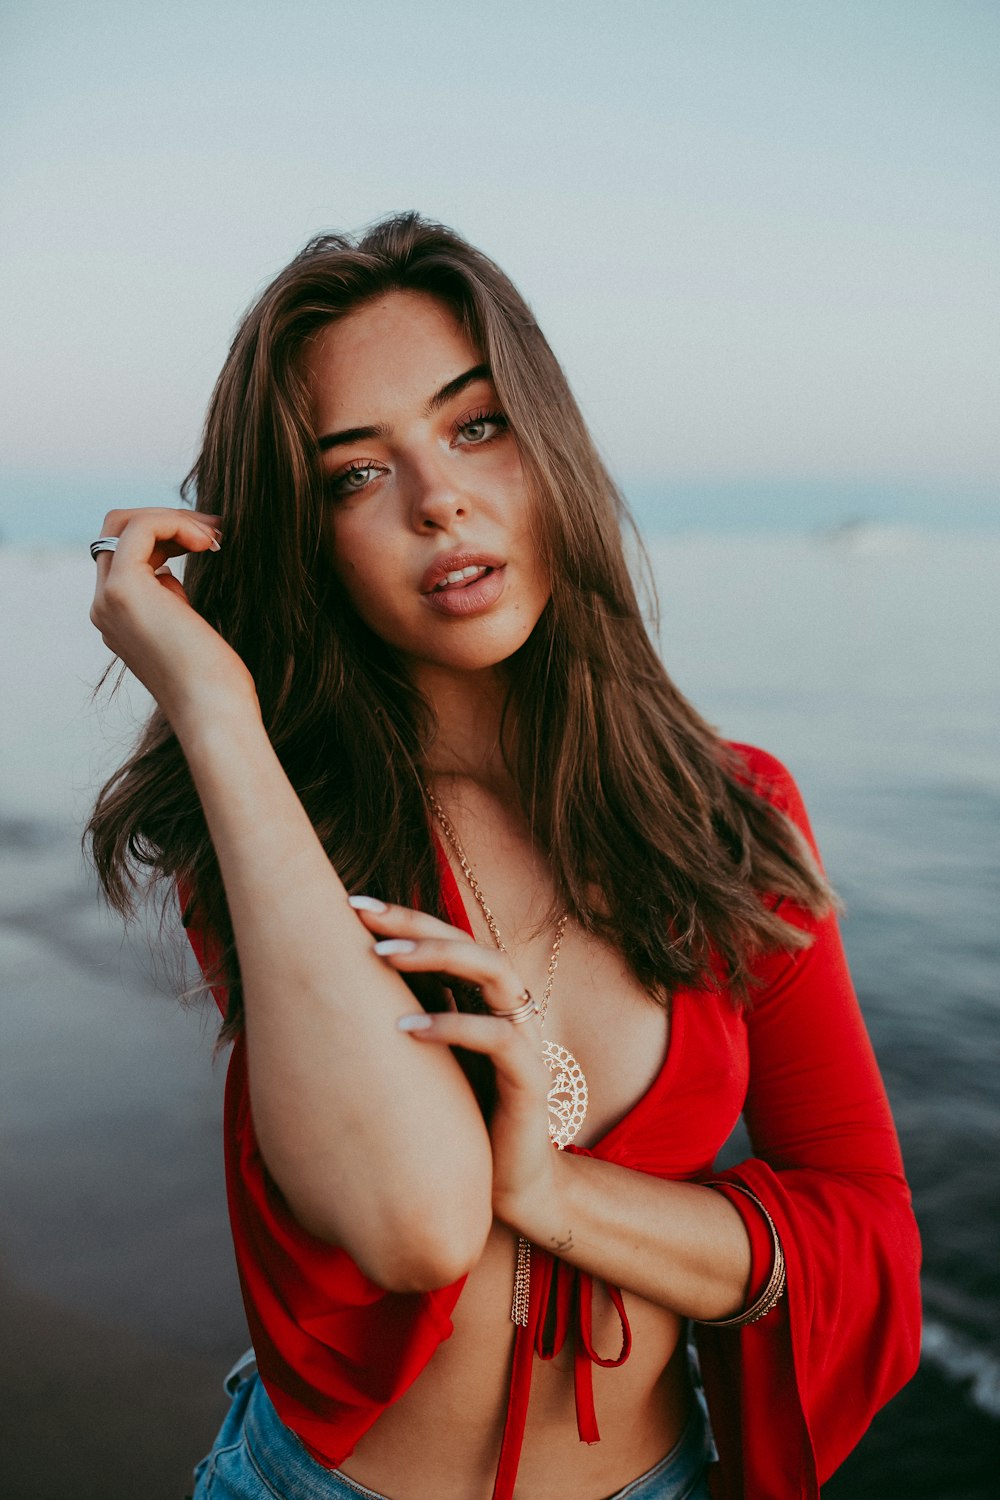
x=115, y=521
x=515, y=1056
x=173, y=585
x=459, y=958
x=149, y=540
x=402, y=921
x=164, y=533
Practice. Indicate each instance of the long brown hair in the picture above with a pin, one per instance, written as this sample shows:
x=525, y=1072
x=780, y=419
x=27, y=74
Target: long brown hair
x=654, y=837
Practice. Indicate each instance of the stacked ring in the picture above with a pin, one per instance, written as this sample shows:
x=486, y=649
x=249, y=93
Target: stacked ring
x=521, y=1013
x=103, y=544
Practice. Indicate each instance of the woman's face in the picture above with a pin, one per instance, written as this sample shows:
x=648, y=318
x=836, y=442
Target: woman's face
x=428, y=513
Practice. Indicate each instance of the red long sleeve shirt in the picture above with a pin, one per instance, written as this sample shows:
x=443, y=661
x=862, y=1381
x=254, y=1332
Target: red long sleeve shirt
x=788, y=1396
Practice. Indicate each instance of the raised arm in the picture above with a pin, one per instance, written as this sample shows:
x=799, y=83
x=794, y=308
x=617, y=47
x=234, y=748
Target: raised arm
x=376, y=1145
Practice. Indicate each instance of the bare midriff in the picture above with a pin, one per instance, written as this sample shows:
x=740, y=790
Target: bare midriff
x=441, y=1440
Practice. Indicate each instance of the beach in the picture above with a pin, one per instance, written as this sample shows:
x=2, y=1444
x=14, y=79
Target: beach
x=866, y=659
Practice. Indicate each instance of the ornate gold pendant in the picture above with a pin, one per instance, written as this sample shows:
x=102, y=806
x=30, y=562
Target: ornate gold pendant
x=567, y=1100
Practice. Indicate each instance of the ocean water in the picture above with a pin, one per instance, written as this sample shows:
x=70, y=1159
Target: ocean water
x=868, y=660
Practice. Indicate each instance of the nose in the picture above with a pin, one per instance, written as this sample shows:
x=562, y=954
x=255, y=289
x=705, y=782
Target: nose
x=437, y=500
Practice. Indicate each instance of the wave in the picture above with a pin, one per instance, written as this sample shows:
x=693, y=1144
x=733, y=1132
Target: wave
x=962, y=1361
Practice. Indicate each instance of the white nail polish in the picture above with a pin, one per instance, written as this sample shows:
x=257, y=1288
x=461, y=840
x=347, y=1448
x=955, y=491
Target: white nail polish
x=366, y=903
x=414, y=1023
x=394, y=945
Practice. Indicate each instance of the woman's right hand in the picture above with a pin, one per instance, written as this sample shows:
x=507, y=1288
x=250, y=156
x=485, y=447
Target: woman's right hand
x=144, y=616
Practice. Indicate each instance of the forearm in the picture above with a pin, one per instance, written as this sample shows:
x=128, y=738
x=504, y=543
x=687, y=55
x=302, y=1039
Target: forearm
x=376, y=1144
x=677, y=1244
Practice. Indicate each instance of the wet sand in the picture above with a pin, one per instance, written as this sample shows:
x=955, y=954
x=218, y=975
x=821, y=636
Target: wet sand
x=118, y=1297
x=95, y=1412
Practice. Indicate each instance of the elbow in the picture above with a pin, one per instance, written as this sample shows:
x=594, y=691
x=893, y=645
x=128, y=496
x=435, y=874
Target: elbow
x=409, y=1226
x=407, y=1253
x=421, y=1254
x=421, y=1269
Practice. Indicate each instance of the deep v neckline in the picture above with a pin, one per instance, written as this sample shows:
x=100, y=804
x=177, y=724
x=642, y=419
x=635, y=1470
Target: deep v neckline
x=454, y=904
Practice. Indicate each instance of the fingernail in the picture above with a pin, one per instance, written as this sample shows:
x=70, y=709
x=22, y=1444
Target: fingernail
x=414, y=1023
x=215, y=545
x=394, y=945
x=366, y=903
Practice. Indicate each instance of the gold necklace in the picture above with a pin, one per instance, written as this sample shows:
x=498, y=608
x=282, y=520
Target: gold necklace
x=567, y=1098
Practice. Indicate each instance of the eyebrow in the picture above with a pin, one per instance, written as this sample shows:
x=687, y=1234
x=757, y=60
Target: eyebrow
x=439, y=399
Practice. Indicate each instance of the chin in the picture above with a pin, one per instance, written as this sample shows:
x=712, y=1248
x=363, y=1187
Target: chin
x=469, y=656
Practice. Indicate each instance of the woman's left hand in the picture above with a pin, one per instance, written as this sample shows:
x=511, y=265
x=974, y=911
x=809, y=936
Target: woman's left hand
x=523, y=1157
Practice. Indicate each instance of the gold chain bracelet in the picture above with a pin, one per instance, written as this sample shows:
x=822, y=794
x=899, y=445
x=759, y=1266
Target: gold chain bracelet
x=775, y=1289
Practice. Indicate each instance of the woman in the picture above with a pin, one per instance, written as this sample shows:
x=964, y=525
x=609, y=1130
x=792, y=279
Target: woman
x=410, y=666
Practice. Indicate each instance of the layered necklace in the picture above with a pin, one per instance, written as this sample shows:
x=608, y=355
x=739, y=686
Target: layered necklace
x=567, y=1096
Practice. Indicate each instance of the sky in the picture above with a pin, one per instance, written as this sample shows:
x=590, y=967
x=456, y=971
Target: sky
x=762, y=238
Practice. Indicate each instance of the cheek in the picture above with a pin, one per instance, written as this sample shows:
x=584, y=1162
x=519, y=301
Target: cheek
x=543, y=594
x=538, y=569
x=368, y=573
x=365, y=588
x=352, y=549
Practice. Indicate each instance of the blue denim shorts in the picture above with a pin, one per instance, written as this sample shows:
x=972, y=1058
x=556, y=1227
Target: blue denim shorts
x=256, y=1457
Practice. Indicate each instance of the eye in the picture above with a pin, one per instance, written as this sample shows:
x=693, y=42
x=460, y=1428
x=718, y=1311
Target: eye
x=352, y=480
x=481, y=427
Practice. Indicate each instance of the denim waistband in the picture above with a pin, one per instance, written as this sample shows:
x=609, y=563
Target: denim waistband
x=287, y=1470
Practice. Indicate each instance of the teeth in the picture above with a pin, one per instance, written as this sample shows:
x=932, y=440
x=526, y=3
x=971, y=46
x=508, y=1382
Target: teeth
x=460, y=575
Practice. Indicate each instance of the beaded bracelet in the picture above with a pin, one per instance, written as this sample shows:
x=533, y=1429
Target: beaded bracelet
x=773, y=1292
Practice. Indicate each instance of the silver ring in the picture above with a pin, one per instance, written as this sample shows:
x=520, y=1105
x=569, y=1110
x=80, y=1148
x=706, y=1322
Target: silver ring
x=104, y=544
x=521, y=1013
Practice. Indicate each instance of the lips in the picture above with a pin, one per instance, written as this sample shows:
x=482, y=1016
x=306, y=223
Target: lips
x=463, y=583
x=443, y=574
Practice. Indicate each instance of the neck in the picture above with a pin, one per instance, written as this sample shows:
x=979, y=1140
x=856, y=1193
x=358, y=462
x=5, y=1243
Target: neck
x=467, y=708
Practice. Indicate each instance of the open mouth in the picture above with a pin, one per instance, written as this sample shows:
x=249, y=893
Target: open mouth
x=464, y=582
x=461, y=578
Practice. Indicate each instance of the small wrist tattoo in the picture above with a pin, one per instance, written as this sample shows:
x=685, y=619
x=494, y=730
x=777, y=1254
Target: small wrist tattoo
x=561, y=1246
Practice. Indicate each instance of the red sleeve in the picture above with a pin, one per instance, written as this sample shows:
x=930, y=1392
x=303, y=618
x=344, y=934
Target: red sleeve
x=791, y=1395
x=333, y=1348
